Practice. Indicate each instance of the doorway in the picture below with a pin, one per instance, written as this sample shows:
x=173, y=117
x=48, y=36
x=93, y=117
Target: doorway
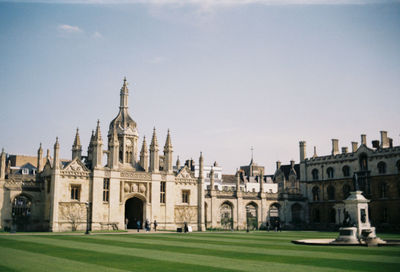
x=134, y=212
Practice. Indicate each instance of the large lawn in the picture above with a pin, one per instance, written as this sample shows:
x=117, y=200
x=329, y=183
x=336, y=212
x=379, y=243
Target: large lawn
x=257, y=251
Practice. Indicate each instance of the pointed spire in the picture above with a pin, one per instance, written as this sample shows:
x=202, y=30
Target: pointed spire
x=56, y=159
x=48, y=154
x=144, y=146
x=178, y=163
x=124, y=95
x=77, y=141
x=97, y=136
x=315, y=152
x=154, y=144
x=168, y=145
x=57, y=144
x=40, y=159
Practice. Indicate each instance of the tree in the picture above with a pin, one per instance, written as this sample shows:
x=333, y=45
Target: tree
x=74, y=213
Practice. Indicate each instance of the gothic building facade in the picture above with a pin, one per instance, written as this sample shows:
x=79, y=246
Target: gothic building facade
x=131, y=185
x=328, y=180
x=137, y=183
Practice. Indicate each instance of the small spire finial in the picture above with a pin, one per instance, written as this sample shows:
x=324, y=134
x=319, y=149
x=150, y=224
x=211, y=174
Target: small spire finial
x=252, y=153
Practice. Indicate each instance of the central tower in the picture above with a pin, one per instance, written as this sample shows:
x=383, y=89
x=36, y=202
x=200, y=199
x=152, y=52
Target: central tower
x=125, y=129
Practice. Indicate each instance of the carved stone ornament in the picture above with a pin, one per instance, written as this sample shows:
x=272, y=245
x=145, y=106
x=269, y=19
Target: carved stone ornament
x=142, y=188
x=126, y=188
x=134, y=188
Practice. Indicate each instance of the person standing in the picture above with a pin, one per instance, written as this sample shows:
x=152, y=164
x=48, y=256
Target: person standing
x=138, y=225
x=267, y=225
x=126, y=223
x=155, y=225
x=147, y=225
x=186, y=229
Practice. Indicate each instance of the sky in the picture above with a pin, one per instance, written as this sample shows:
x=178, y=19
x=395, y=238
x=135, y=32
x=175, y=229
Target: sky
x=223, y=76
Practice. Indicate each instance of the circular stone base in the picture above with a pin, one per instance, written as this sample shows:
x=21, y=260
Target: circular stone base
x=333, y=242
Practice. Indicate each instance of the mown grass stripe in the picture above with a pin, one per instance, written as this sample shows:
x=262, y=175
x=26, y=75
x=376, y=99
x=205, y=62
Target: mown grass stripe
x=310, y=261
x=195, y=259
x=108, y=260
x=385, y=251
x=247, y=249
x=28, y=261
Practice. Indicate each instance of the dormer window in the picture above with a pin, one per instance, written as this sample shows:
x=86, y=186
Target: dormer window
x=25, y=171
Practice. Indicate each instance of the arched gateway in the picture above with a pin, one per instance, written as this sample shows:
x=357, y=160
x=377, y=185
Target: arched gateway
x=134, y=212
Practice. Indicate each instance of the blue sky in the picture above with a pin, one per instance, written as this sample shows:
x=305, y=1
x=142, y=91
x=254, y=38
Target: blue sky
x=221, y=75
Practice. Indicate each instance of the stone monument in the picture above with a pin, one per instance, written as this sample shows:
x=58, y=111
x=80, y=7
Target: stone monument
x=356, y=226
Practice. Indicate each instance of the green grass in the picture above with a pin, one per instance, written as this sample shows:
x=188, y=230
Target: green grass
x=210, y=251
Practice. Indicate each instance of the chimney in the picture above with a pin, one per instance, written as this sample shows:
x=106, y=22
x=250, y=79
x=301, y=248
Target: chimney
x=335, y=146
x=344, y=150
x=354, y=146
x=278, y=165
x=384, y=140
x=363, y=139
x=375, y=144
x=302, y=145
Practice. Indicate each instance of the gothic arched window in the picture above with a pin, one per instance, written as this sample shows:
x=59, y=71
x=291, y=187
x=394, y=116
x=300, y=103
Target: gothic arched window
x=330, y=172
x=381, y=167
x=346, y=171
x=314, y=174
x=315, y=192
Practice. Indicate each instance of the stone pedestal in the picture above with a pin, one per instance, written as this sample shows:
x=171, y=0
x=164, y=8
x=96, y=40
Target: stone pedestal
x=358, y=229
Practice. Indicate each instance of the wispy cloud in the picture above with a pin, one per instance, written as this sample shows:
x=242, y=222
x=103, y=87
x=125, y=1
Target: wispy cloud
x=97, y=35
x=70, y=29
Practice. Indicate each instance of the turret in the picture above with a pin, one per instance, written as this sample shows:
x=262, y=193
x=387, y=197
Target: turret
x=154, y=157
x=40, y=159
x=168, y=154
x=212, y=187
x=144, y=156
x=3, y=164
x=237, y=181
x=201, y=166
x=56, y=159
x=113, y=150
x=77, y=147
x=97, y=147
